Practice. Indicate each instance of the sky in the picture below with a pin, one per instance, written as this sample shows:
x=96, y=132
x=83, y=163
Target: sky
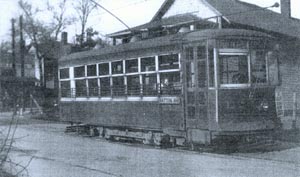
x=132, y=12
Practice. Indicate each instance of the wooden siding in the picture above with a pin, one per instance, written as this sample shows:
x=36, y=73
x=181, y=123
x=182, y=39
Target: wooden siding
x=289, y=62
x=146, y=115
x=197, y=7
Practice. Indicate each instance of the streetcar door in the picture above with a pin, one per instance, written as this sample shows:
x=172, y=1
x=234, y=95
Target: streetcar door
x=196, y=86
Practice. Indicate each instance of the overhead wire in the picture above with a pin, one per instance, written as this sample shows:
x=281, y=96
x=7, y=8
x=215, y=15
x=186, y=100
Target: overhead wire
x=112, y=14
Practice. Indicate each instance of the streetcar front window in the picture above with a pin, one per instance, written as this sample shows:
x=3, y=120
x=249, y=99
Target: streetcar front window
x=234, y=69
x=259, y=67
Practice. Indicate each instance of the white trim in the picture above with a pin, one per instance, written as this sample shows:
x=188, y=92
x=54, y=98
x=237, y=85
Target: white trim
x=233, y=51
x=235, y=85
x=121, y=99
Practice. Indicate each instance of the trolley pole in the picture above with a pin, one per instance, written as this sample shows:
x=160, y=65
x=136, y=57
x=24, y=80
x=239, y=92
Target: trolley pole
x=22, y=64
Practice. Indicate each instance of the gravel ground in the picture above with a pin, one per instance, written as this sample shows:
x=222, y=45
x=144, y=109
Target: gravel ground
x=52, y=153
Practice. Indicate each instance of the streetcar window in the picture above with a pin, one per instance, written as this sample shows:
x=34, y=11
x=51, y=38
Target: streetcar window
x=233, y=44
x=190, y=67
x=170, y=83
x=190, y=74
x=64, y=73
x=117, y=67
x=91, y=70
x=201, y=74
x=133, y=85
x=233, y=69
x=190, y=53
x=211, y=67
x=79, y=71
x=93, y=87
x=201, y=99
x=65, y=89
x=259, y=69
x=273, y=69
x=191, y=112
x=148, y=64
x=132, y=66
x=118, y=87
x=104, y=69
x=105, y=86
x=168, y=62
x=149, y=84
x=201, y=52
x=80, y=88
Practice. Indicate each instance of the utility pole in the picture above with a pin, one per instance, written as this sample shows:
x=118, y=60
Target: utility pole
x=13, y=42
x=22, y=64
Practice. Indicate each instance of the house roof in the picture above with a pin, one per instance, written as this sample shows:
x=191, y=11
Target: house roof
x=233, y=11
x=170, y=21
x=252, y=15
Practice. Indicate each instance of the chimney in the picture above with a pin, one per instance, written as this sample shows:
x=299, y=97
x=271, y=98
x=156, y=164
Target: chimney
x=285, y=8
x=64, y=38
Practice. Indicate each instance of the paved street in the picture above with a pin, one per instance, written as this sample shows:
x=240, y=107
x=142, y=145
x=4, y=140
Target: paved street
x=55, y=154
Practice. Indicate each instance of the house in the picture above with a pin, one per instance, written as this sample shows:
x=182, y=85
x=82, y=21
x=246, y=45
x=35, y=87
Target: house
x=176, y=15
x=12, y=83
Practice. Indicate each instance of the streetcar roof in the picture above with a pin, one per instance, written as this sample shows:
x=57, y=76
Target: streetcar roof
x=164, y=41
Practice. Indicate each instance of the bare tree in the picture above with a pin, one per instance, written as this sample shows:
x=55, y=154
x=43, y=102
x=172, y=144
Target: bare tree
x=42, y=33
x=83, y=8
x=35, y=29
x=60, y=19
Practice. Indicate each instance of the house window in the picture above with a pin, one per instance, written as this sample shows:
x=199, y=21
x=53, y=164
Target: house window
x=104, y=69
x=117, y=67
x=234, y=69
x=79, y=71
x=132, y=66
x=92, y=70
x=259, y=67
x=148, y=64
x=168, y=62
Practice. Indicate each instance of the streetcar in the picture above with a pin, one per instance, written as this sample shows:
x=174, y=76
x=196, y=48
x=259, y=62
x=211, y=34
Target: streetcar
x=191, y=87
